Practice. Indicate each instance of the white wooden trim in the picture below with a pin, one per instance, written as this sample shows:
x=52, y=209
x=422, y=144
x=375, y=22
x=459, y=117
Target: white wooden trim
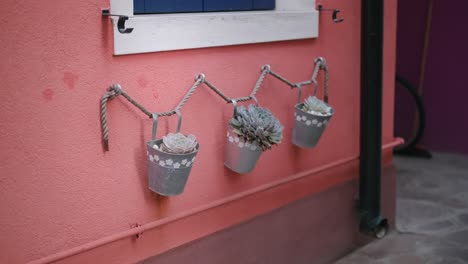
x=292, y=19
x=122, y=7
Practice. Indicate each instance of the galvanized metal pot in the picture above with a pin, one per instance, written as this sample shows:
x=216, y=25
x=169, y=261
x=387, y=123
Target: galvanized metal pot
x=240, y=156
x=308, y=128
x=167, y=173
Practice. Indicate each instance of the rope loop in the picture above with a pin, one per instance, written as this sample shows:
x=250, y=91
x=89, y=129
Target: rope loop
x=116, y=89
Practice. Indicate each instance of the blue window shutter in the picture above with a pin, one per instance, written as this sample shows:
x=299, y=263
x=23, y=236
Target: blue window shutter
x=263, y=4
x=173, y=6
x=227, y=5
x=181, y=6
x=139, y=6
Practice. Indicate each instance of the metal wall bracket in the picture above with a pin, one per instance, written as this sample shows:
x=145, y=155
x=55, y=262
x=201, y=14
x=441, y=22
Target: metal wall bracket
x=120, y=22
x=334, y=14
x=139, y=234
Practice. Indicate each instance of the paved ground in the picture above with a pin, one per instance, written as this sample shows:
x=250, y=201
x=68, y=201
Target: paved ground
x=432, y=215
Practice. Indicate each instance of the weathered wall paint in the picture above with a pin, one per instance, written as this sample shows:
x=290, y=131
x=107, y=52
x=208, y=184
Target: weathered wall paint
x=59, y=190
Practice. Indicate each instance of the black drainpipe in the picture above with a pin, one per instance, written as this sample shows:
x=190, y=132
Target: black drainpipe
x=371, y=221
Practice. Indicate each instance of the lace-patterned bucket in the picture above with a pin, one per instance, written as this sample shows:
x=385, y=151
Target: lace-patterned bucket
x=167, y=173
x=240, y=156
x=309, y=127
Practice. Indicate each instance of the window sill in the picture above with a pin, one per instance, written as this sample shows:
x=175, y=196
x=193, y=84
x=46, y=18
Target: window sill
x=153, y=33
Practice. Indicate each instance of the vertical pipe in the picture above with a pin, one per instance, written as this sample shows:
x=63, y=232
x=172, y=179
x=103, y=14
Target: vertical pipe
x=371, y=119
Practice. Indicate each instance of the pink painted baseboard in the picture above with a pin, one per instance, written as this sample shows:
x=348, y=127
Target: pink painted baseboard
x=317, y=229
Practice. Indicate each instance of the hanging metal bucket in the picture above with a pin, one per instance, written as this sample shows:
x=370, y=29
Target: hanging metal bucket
x=168, y=173
x=308, y=128
x=240, y=156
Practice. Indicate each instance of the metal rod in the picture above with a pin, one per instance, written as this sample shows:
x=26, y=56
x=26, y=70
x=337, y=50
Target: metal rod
x=217, y=91
x=281, y=78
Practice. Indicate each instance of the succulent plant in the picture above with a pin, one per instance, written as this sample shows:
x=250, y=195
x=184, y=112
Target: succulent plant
x=257, y=125
x=313, y=105
x=178, y=143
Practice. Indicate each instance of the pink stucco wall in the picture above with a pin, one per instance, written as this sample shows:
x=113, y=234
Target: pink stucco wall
x=59, y=190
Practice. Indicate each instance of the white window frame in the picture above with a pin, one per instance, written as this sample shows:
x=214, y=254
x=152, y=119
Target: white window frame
x=292, y=19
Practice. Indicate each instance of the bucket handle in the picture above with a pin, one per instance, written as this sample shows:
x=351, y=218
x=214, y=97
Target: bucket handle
x=155, y=117
x=321, y=64
x=179, y=123
x=316, y=86
x=255, y=99
x=234, y=103
x=155, y=126
x=299, y=96
x=325, y=96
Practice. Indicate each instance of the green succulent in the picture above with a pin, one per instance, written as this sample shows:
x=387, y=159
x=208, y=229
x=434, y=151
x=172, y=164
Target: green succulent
x=257, y=125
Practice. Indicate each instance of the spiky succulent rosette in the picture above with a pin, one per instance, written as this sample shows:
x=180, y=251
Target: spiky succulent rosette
x=257, y=125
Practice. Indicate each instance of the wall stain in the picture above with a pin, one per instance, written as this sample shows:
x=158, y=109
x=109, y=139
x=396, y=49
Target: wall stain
x=48, y=94
x=155, y=94
x=70, y=79
x=142, y=81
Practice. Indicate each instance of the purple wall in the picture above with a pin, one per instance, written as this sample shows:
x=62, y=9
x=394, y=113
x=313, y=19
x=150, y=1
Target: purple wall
x=447, y=60
x=412, y=16
x=445, y=85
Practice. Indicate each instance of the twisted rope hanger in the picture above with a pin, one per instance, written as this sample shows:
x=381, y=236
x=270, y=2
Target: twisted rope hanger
x=116, y=90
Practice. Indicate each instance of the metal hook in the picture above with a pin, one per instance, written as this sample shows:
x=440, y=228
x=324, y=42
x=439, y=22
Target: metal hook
x=320, y=60
x=334, y=15
x=200, y=77
x=266, y=68
x=120, y=22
